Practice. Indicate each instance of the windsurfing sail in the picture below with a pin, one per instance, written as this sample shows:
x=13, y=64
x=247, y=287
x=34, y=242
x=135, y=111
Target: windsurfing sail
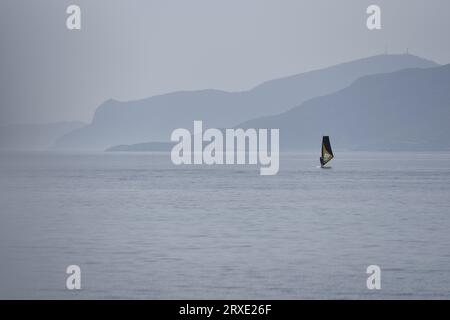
x=327, y=153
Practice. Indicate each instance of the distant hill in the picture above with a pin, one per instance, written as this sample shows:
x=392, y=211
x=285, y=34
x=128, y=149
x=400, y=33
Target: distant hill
x=404, y=110
x=34, y=136
x=154, y=118
x=142, y=147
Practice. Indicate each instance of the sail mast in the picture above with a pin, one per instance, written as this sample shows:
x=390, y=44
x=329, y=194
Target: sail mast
x=327, y=152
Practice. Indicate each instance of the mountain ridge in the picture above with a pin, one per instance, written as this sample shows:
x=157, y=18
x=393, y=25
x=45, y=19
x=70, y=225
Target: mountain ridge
x=404, y=110
x=34, y=136
x=153, y=118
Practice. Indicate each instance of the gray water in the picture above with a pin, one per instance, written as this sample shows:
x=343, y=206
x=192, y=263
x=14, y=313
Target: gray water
x=140, y=227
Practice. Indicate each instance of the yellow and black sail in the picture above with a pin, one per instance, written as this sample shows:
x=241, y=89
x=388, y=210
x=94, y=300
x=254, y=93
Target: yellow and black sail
x=327, y=153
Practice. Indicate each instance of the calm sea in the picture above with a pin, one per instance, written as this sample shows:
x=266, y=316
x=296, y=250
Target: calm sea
x=140, y=227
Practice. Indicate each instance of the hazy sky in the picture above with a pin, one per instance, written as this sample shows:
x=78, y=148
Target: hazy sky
x=134, y=49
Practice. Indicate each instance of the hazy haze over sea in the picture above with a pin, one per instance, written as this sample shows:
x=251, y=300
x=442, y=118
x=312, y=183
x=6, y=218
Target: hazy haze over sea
x=140, y=227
